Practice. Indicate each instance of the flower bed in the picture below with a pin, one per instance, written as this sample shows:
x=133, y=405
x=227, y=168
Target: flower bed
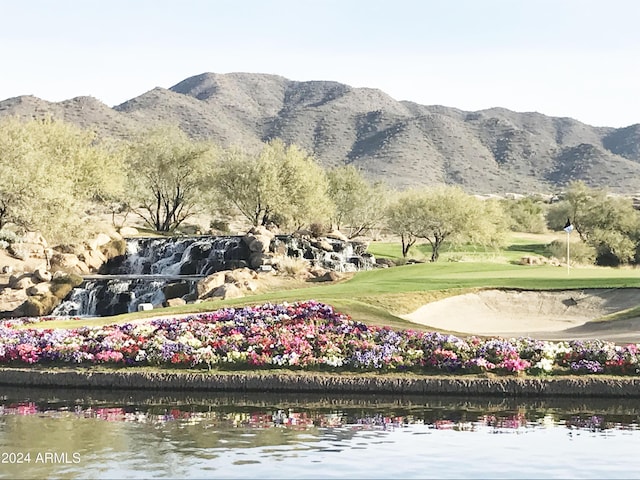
x=307, y=335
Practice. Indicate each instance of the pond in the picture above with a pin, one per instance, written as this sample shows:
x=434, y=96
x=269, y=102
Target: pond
x=110, y=434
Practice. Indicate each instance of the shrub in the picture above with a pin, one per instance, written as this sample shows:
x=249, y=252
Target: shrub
x=317, y=229
x=220, y=225
x=8, y=236
x=292, y=265
x=579, y=252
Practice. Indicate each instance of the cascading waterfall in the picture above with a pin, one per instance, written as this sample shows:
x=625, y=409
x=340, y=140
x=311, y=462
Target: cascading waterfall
x=150, y=264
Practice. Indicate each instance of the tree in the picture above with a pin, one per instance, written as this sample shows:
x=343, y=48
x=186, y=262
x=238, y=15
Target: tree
x=50, y=170
x=281, y=184
x=444, y=213
x=359, y=205
x=168, y=176
x=403, y=218
x=607, y=223
x=525, y=215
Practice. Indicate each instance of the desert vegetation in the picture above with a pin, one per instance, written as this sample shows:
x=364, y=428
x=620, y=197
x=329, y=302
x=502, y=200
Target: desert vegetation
x=55, y=176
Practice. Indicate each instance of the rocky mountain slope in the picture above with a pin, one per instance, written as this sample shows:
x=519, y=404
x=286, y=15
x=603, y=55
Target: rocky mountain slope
x=402, y=143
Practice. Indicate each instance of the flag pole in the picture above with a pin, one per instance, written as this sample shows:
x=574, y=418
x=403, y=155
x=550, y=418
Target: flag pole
x=567, y=228
x=568, y=263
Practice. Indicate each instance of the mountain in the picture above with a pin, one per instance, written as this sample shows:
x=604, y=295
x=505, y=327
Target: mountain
x=403, y=143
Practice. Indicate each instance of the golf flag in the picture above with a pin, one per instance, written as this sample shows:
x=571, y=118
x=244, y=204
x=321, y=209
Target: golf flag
x=568, y=227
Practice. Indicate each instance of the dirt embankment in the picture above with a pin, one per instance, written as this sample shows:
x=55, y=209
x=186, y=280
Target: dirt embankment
x=577, y=386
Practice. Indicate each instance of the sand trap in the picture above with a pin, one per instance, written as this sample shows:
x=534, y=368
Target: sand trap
x=544, y=315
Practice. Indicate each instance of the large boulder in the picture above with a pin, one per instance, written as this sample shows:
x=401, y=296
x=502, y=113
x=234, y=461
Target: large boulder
x=11, y=299
x=68, y=262
x=210, y=283
x=175, y=290
x=99, y=241
x=93, y=259
x=228, y=290
x=174, y=302
x=240, y=275
x=258, y=239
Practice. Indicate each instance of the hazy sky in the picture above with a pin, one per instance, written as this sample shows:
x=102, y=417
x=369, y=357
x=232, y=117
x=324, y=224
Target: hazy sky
x=573, y=58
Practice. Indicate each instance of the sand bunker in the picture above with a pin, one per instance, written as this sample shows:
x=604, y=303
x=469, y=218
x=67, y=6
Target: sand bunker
x=541, y=314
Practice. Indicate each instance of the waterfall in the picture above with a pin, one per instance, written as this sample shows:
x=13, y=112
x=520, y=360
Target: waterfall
x=150, y=264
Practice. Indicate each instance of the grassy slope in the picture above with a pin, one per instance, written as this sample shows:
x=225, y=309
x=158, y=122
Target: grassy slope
x=378, y=296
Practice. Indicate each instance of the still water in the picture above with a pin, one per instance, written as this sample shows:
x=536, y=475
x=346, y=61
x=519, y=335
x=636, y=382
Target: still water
x=98, y=434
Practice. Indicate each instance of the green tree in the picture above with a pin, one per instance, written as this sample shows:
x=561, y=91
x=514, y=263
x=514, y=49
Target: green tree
x=50, y=173
x=607, y=223
x=281, y=184
x=525, y=215
x=444, y=213
x=403, y=218
x=359, y=204
x=169, y=174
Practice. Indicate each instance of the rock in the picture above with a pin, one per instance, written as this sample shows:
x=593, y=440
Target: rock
x=39, y=289
x=175, y=290
x=69, y=263
x=58, y=275
x=142, y=307
x=323, y=245
x=329, y=277
x=256, y=260
x=42, y=275
x=7, y=269
x=101, y=240
x=250, y=286
x=129, y=231
x=228, y=290
x=240, y=275
x=11, y=299
x=532, y=260
x=21, y=282
x=94, y=259
x=174, y=302
x=317, y=271
x=337, y=235
x=385, y=262
x=210, y=283
x=33, y=245
x=261, y=231
x=259, y=243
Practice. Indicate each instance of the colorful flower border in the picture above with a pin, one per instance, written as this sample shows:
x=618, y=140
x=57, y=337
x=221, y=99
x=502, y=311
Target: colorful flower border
x=305, y=335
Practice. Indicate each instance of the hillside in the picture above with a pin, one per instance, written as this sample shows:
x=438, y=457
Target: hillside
x=402, y=143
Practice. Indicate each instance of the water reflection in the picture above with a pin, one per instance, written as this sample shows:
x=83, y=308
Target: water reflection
x=119, y=434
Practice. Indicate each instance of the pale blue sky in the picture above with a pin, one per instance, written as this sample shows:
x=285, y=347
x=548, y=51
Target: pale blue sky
x=574, y=58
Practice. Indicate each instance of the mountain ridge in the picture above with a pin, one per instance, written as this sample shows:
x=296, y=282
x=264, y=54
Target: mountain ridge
x=404, y=143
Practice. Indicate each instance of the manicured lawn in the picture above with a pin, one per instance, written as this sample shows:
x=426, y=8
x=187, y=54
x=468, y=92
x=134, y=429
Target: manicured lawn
x=377, y=296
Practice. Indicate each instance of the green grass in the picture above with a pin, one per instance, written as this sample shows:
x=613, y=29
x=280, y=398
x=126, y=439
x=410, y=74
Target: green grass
x=517, y=246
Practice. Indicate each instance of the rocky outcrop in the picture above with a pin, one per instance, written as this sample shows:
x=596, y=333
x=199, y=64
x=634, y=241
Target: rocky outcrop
x=36, y=291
